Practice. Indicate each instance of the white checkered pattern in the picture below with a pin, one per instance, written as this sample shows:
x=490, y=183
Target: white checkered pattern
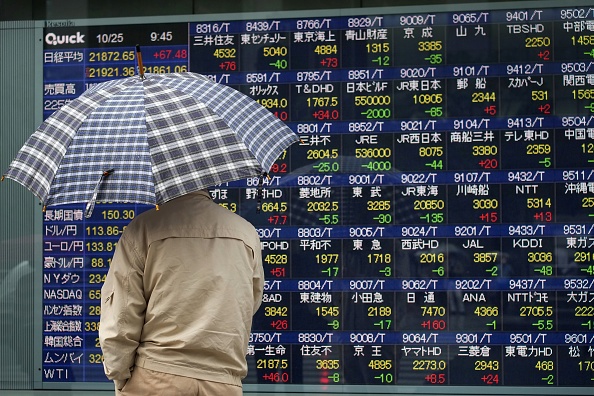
x=164, y=136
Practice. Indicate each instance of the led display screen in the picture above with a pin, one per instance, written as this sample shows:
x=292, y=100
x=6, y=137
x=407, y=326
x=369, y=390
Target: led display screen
x=435, y=225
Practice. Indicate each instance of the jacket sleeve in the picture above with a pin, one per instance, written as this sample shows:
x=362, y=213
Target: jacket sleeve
x=123, y=308
x=258, y=280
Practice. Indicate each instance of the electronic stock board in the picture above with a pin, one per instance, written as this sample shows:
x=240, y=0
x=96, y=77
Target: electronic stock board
x=435, y=226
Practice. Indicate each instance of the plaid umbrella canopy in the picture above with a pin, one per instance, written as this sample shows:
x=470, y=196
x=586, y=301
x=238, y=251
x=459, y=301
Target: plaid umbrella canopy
x=148, y=140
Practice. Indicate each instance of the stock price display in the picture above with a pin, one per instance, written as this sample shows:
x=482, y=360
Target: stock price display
x=435, y=226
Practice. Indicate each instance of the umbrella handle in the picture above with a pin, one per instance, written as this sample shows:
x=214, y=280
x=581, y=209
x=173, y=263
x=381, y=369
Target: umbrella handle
x=91, y=204
x=259, y=191
x=140, y=66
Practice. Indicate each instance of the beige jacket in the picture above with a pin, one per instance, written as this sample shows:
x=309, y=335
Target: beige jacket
x=181, y=291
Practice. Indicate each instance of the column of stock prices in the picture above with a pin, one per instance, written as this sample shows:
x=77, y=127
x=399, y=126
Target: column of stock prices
x=434, y=226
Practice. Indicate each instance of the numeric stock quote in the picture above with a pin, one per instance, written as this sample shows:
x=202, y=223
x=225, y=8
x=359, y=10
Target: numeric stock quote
x=434, y=226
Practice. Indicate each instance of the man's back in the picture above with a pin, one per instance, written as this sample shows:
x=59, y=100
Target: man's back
x=192, y=274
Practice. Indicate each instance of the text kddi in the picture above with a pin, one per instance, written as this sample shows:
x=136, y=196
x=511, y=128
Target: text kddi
x=52, y=39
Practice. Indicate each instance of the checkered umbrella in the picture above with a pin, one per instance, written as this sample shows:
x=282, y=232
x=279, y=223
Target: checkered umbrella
x=148, y=140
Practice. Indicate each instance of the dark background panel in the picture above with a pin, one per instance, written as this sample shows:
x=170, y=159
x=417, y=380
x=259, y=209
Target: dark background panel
x=14, y=10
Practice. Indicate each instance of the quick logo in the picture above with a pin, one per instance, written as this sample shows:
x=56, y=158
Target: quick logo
x=53, y=39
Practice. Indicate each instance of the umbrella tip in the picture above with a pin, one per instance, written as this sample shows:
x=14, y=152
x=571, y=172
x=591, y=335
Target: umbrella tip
x=156, y=207
x=139, y=58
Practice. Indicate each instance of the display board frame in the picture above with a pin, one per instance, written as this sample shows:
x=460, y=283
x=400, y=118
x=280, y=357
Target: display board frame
x=276, y=388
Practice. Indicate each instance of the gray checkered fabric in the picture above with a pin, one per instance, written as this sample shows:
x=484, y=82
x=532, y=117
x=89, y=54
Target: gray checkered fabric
x=37, y=162
x=159, y=138
x=232, y=107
